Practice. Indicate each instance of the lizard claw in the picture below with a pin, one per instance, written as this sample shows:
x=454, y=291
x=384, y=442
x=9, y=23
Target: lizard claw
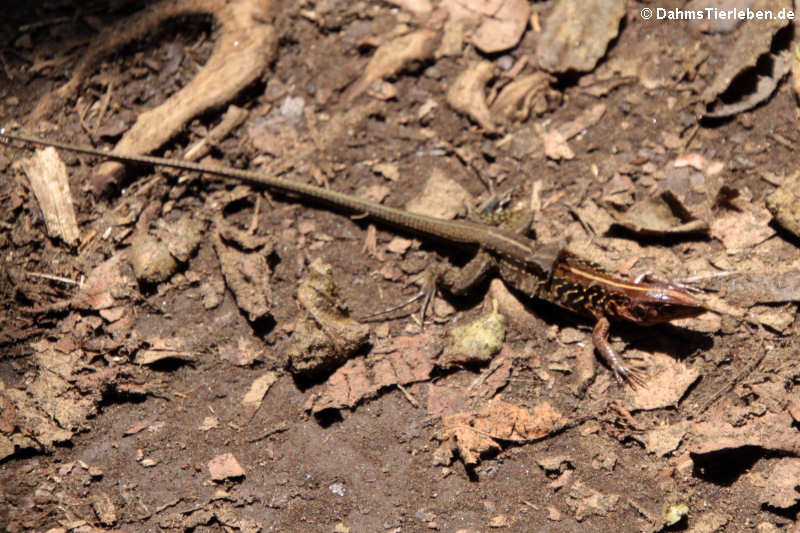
x=426, y=295
x=394, y=307
x=634, y=377
x=648, y=276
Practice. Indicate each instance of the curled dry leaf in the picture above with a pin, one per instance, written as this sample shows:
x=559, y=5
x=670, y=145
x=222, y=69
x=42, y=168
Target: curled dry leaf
x=325, y=336
x=778, y=319
x=681, y=205
x=660, y=215
x=742, y=225
x=392, y=56
x=767, y=77
x=751, y=71
x=515, y=101
x=161, y=349
x=466, y=94
x=247, y=276
x=576, y=34
x=784, y=204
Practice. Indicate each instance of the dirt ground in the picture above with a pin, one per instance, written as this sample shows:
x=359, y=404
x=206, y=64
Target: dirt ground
x=229, y=383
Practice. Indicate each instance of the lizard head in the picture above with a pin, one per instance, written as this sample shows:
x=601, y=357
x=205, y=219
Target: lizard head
x=658, y=304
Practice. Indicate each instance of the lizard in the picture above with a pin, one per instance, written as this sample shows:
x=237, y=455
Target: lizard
x=548, y=272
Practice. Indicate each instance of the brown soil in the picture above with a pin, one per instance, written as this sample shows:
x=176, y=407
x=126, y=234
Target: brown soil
x=369, y=468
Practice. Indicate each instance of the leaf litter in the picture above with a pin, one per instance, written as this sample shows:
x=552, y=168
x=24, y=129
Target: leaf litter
x=38, y=418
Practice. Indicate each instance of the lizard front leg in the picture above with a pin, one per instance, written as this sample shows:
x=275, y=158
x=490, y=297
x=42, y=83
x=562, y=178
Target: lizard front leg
x=621, y=371
x=454, y=280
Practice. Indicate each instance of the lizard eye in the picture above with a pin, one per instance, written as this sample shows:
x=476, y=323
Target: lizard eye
x=639, y=311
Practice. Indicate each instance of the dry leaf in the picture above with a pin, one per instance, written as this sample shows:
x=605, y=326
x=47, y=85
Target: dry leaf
x=399, y=245
x=772, y=432
x=476, y=433
x=576, y=34
x=441, y=198
x=51, y=407
x=515, y=101
x=466, y=94
x=502, y=24
x=107, y=284
x=251, y=401
x=409, y=359
x=224, y=467
x=743, y=228
x=779, y=487
x=784, y=204
x=161, y=348
x=586, y=501
x=258, y=389
x=654, y=216
x=136, y=427
x=667, y=381
x=555, y=140
x=325, y=336
x=247, y=276
x=392, y=56
x=664, y=440
x=749, y=64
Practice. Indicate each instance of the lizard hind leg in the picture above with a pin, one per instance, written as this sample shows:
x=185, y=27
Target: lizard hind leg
x=455, y=281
